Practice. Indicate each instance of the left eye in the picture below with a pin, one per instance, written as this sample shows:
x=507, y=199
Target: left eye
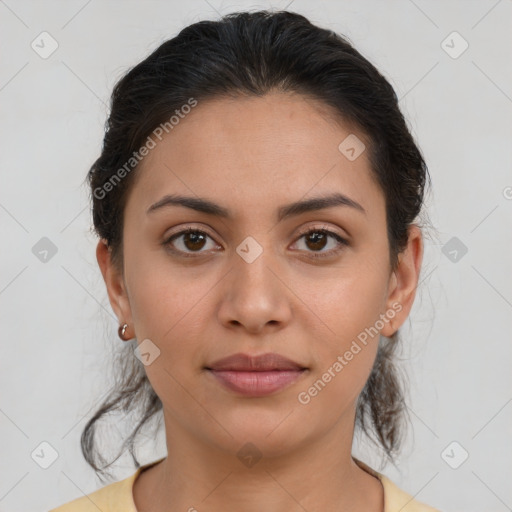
x=317, y=239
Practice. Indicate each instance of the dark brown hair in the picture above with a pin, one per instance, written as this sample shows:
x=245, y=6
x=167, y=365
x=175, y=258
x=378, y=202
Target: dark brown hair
x=253, y=53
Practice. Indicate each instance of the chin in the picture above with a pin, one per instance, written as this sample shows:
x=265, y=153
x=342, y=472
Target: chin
x=268, y=433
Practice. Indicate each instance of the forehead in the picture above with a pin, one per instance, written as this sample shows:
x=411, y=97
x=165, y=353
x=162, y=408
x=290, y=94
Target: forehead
x=256, y=151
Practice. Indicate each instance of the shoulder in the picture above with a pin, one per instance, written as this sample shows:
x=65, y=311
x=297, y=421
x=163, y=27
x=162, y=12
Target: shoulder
x=115, y=497
x=395, y=499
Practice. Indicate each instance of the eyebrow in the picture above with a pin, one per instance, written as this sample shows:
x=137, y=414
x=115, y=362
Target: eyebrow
x=209, y=207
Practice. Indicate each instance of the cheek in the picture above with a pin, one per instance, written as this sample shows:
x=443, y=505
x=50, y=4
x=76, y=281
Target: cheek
x=163, y=297
x=346, y=317
x=345, y=303
x=169, y=309
x=345, y=352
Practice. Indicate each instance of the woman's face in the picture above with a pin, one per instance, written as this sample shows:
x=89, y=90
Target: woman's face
x=252, y=281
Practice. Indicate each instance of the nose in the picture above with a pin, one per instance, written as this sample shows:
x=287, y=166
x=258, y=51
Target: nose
x=254, y=295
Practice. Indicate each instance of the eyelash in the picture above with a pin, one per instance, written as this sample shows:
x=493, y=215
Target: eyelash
x=342, y=242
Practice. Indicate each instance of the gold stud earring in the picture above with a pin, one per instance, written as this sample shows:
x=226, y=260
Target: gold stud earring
x=122, y=332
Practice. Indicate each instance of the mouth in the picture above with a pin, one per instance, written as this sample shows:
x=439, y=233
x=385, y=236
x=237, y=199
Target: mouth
x=256, y=376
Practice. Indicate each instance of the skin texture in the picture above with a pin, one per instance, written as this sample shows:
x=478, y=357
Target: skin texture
x=253, y=155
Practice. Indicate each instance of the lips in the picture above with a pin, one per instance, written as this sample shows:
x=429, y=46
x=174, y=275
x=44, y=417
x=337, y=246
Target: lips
x=262, y=363
x=256, y=376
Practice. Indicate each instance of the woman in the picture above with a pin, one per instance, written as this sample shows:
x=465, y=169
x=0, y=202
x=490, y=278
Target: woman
x=256, y=200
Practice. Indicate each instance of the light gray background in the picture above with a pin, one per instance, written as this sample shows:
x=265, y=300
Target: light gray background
x=57, y=326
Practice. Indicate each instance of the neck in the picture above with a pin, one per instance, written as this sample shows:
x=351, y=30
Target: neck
x=314, y=476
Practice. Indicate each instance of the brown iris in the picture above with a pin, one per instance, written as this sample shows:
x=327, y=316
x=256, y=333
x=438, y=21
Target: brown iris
x=194, y=240
x=318, y=240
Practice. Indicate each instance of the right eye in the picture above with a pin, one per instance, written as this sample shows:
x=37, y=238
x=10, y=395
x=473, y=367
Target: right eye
x=190, y=241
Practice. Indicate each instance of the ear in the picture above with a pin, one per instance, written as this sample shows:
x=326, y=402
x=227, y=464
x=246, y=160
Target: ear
x=404, y=281
x=115, y=284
